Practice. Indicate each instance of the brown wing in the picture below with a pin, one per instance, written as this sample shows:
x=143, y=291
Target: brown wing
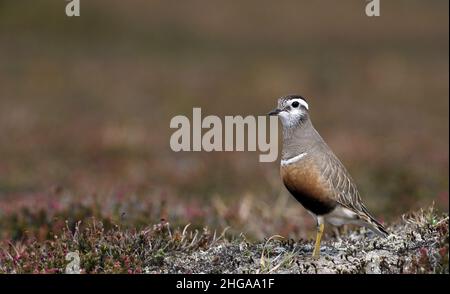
x=344, y=191
x=342, y=186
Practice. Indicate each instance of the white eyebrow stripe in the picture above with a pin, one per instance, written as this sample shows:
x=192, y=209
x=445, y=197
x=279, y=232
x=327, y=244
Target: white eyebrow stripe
x=293, y=159
x=303, y=102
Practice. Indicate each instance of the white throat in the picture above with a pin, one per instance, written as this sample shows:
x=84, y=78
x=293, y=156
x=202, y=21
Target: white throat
x=291, y=118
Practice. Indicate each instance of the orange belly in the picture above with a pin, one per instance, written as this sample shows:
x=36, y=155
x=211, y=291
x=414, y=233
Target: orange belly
x=304, y=183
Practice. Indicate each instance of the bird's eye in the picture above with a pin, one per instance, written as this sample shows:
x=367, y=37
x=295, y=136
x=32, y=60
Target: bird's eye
x=295, y=104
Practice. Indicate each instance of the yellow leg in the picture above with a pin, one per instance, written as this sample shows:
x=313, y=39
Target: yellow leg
x=316, y=252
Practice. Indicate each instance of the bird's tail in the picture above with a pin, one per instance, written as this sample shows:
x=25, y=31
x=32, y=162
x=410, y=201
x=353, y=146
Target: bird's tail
x=376, y=227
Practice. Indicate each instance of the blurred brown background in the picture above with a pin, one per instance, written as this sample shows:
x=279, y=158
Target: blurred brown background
x=85, y=106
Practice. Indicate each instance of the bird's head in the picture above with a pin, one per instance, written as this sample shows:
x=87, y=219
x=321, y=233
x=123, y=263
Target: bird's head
x=292, y=110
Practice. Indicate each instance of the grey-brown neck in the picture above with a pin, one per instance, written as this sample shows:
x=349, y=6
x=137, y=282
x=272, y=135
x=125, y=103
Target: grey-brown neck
x=299, y=139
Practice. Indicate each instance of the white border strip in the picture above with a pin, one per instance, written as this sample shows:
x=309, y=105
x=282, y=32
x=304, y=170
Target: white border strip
x=293, y=159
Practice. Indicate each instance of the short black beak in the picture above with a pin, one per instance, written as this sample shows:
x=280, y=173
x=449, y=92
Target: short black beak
x=274, y=112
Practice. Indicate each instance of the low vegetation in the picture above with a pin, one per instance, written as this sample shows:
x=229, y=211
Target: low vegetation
x=419, y=243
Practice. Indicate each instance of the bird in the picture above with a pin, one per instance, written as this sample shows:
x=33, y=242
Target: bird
x=314, y=175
